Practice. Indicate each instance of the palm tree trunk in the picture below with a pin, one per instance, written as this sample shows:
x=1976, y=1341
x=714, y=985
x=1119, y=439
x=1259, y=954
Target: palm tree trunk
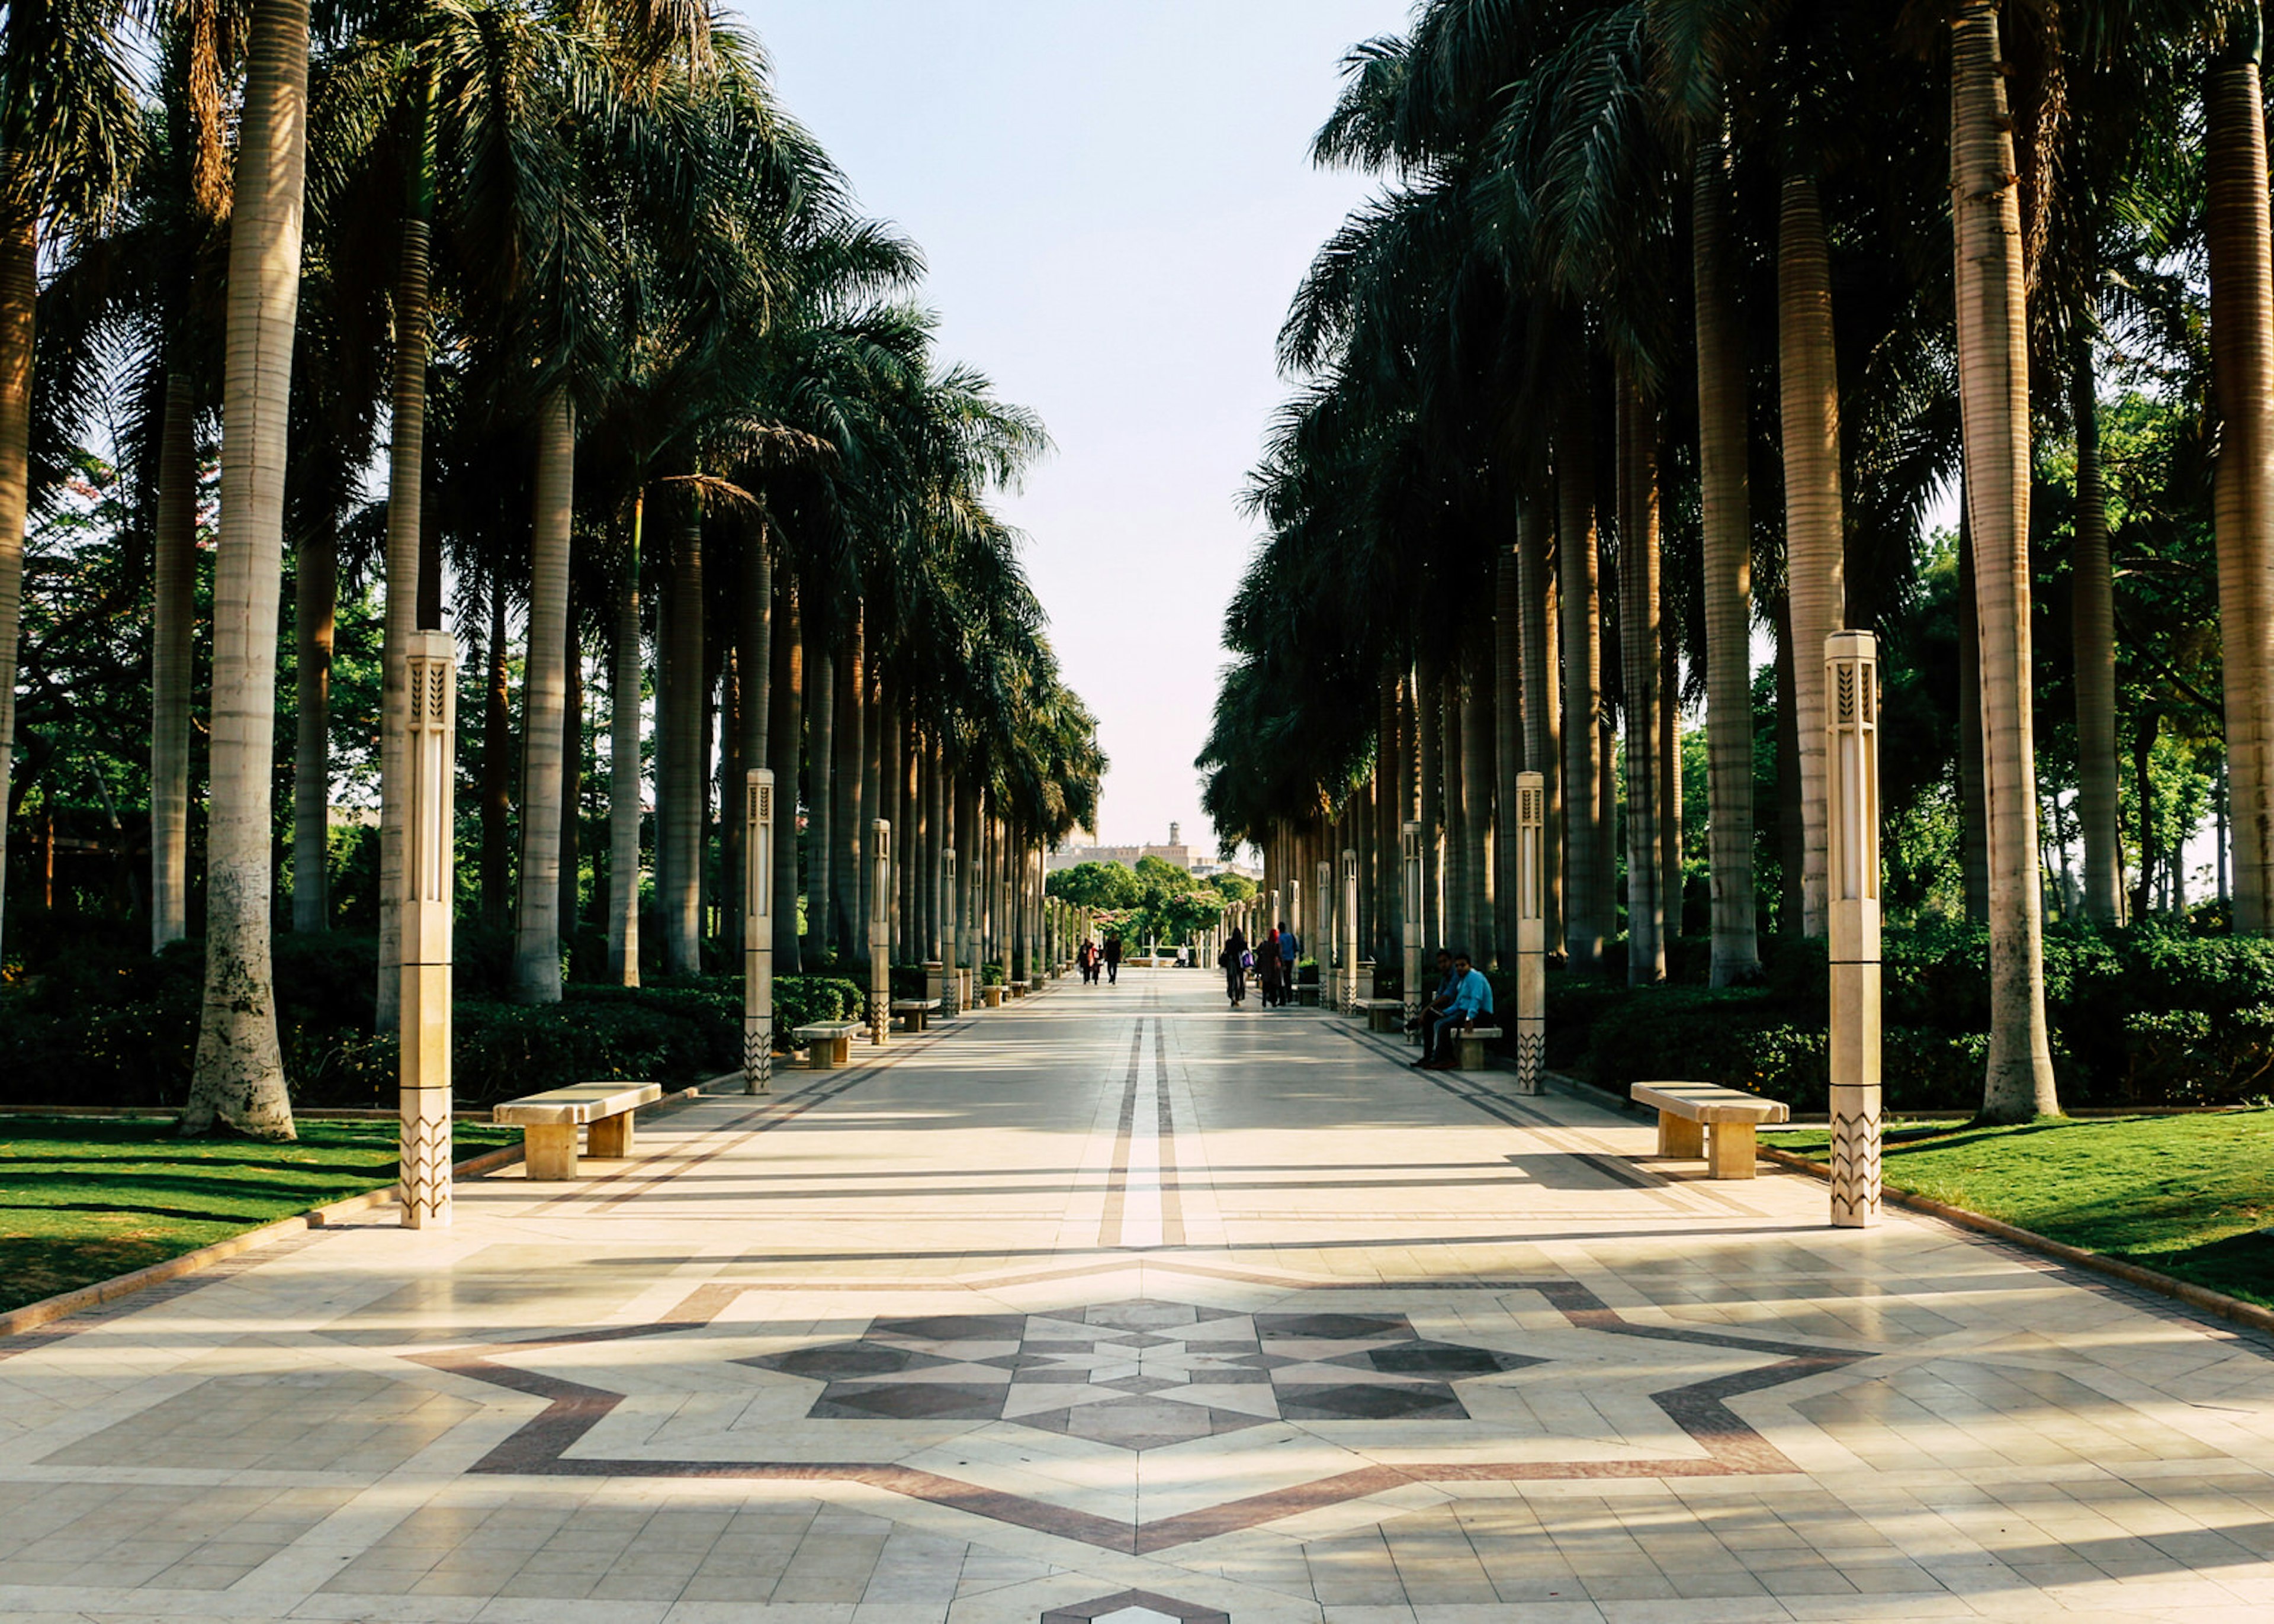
x=238, y=1080
x=1452, y=842
x=2094, y=628
x=1994, y=392
x=1669, y=782
x=1973, y=816
x=2242, y=373
x=497, y=767
x=1640, y=632
x=1727, y=512
x=537, y=946
x=845, y=860
x=406, y=468
x=681, y=825
x=754, y=668
x=1543, y=739
x=1584, y=923
x=1477, y=781
x=624, y=686
x=820, y=764
x=1790, y=857
x=572, y=783
x=314, y=615
x=1429, y=715
x=173, y=610
x=1507, y=735
x=785, y=731
x=20, y=257
x=1388, y=750
x=1807, y=366
x=872, y=790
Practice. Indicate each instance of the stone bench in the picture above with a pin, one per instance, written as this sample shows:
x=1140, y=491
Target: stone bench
x=991, y=994
x=827, y=1043
x=912, y=1012
x=1469, y=1048
x=1685, y=1110
x=548, y=1123
x=1384, y=1014
x=1020, y=989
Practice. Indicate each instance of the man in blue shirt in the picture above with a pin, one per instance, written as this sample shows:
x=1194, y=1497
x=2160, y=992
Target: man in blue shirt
x=1289, y=951
x=1471, y=998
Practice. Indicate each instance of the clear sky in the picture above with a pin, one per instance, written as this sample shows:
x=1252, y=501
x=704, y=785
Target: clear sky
x=1116, y=202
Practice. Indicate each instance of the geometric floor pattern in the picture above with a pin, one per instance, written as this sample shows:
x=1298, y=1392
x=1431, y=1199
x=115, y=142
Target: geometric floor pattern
x=1118, y=1305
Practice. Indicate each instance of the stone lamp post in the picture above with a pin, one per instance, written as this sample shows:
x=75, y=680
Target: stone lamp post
x=758, y=931
x=1346, y=934
x=428, y=881
x=1531, y=931
x=880, y=932
x=1851, y=683
x=1410, y=895
x=1323, y=928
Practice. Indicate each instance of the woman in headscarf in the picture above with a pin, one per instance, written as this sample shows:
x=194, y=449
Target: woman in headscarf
x=1267, y=968
x=1233, y=961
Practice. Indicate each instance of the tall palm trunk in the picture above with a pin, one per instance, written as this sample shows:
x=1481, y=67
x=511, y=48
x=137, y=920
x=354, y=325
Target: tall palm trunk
x=239, y=1075
x=1727, y=511
x=1429, y=715
x=624, y=686
x=1973, y=816
x=407, y=589
x=497, y=766
x=1508, y=735
x=787, y=739
x=1993, y=362
x=1640, y=632
x=1584, y=907
x=1790, y=859
x=872, y=789
x=572, y=781
x=1387, y=753
x=1543, y=738
x=1807, y=370
x=2093, y=612
x=1477, y=782
x=314, y=614
x=20, y=258
x=173, y=609
x=681, y=829
x=753, y=666
x=537, y=943
x=845, y=775
x=2242, y=373
x=1453, y=843
x=820, y=769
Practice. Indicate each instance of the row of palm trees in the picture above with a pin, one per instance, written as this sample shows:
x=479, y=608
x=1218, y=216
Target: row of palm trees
x=645, y=372
x=1670, y=314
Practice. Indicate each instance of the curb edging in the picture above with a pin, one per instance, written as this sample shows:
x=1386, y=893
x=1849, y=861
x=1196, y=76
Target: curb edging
x=2232, y=1309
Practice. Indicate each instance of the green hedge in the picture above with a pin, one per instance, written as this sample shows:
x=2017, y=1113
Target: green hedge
x=2148, y=1016
x=106, y=1024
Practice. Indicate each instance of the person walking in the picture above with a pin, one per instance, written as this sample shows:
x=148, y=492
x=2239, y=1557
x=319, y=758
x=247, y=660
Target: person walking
x=1233, y=962
x=1113, y=960
x=1290, y=958
x=1267, y=968
x=1086, y=959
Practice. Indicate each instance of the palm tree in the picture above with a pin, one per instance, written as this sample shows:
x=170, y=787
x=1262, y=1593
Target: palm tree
x=238, y=1081
x=1994, y=362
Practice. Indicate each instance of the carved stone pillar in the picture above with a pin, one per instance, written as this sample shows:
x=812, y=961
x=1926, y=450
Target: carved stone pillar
x=1531, y=881
x=880, y=932
x=1851, y=687
x=758, y=932
x=1410, y=898
x=428, y=883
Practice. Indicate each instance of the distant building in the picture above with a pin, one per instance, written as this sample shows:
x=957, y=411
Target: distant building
x=1175, y=854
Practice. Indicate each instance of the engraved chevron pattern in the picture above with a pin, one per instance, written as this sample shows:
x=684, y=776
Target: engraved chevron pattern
x=427, y=1169
x=1855, y=1167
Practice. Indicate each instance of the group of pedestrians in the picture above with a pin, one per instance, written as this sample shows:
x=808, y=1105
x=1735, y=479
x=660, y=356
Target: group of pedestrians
x=1272, y=961
x=1094, y=960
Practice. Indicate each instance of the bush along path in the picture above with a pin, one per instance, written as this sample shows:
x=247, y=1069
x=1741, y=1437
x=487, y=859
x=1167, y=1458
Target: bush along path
x=2191, y=1196
x=82, y=1201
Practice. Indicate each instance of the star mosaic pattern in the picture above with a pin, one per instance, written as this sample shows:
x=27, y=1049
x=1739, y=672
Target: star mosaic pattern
x=1143, y=1374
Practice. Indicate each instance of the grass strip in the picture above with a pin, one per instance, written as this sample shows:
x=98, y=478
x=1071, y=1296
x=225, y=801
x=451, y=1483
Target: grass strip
x=2192, y=1197
x=83, y=1200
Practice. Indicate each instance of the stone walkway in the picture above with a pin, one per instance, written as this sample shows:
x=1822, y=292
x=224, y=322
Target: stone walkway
x=1117, y=1304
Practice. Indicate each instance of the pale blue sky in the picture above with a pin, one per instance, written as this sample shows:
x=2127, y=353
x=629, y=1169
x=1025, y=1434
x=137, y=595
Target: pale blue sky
x=1115, y=203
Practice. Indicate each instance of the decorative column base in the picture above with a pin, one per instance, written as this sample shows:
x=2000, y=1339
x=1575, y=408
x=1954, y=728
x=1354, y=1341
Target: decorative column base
x=424, y=1168
x=1856, y=1140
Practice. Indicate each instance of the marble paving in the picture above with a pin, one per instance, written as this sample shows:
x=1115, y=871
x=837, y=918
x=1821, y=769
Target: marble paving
x=1118, y=1305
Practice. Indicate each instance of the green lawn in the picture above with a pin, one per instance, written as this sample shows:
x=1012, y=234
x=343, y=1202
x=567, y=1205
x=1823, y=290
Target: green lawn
x=82, y=1200
x=2192, y=1196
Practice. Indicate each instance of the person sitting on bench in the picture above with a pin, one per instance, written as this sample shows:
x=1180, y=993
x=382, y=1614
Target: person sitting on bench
x=1448, y=983
x=1471, y=997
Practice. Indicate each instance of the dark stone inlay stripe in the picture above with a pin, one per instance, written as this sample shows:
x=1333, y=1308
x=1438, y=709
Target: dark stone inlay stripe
x=1731, y=1446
